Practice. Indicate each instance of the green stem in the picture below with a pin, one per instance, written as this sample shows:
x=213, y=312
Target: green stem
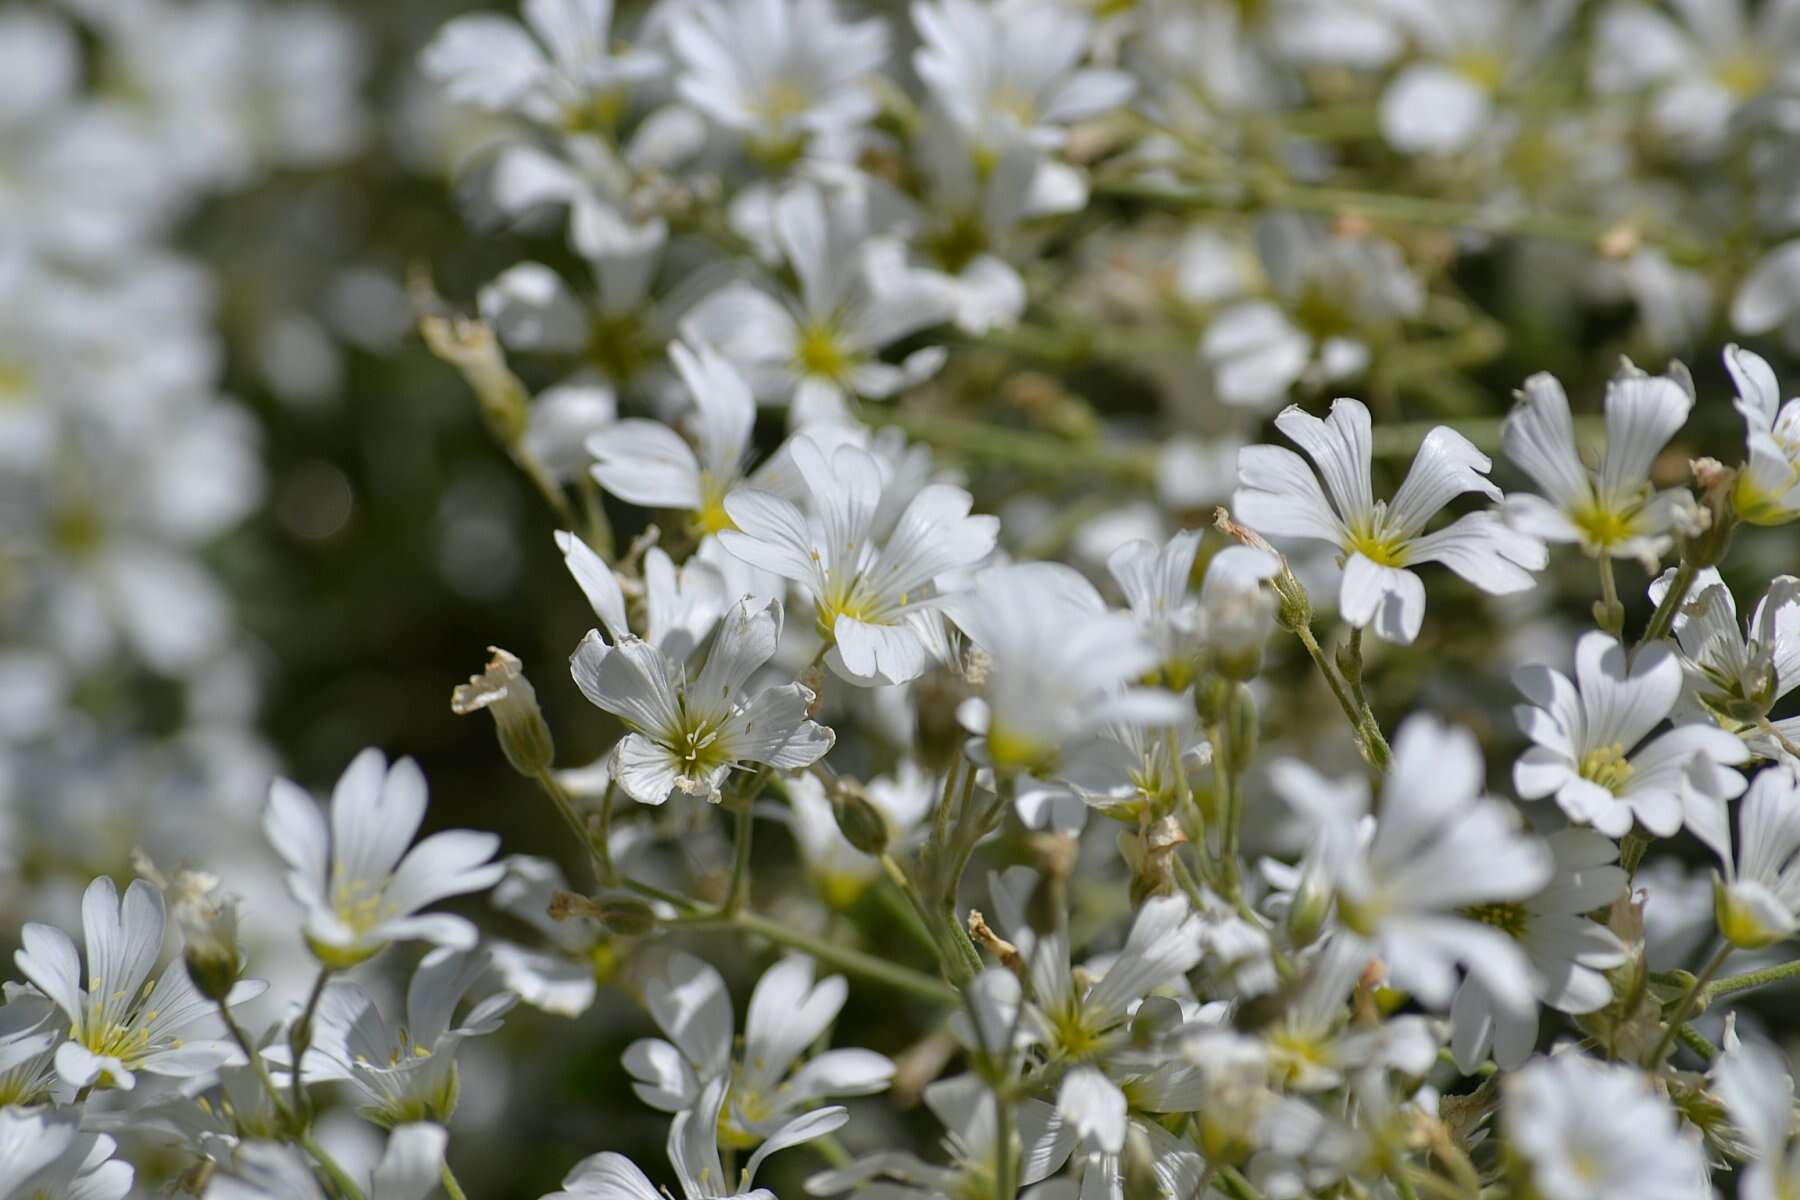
x=1236, y=1186
x=1664, y=617
x=1368, y=735
x=1692, y=1039
x=1685, y=1009
x=1277, y=193
x=1609, y=614
x=1751, y=979
x=876, y=970
x=452, y=1186
x=299, y=1038
x=257, y=1065
x=340, y=1179
x=1632, y=850
x=739, y=889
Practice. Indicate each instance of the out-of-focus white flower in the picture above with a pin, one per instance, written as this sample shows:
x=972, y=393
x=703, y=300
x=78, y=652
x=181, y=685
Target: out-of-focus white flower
x=964, y=1104
x=1758, y=902
x=1768, y=485
x=648, y=464
x=406, y=1072
x=899, y=802
x=1568, y=951
x=788, y=1012
x=1302, y=310
x=561, y=68
x=817, y=347
x=1613, y=510
x=1758, y=1095
x=1279, y=496
x=1597, y=1131
x=1059, y=670
x=123, y=1022
x=359, y=885
x=687, y=735
x=873, y=603
x=789, y=76
x=44, y=1153
x=1768, y=299
x=694, y=1153
x=1705, y=62
x=411, y=1168
x=1439, y=848
x=1008, y=70
x=1471, y=50
x=1586, y=737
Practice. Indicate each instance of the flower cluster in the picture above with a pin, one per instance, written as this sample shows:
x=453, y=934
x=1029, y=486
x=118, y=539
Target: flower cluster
x=1017, y=677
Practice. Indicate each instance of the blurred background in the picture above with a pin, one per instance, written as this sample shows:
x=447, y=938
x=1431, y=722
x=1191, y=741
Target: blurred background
x=252, y=524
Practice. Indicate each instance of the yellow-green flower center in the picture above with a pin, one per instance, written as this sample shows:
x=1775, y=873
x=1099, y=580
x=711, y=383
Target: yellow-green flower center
x=1606, y=766
x=1510, y=918
x=821, y=355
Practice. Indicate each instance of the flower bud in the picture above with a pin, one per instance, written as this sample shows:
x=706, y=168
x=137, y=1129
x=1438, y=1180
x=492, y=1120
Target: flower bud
x=1748, y=919
x=859, y=820
x=471, y=347
x=504, y=691
x=208, y=920
x=621, y=912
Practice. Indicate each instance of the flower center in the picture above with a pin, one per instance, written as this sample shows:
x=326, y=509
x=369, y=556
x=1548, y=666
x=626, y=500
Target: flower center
x=820, y=354
x=1485, y=67
x=1606, y=766
x=1602, y=525
x=1384, y=550
x=358, y=904
x=1744, y=74
x=712, y=517
x=1510, y=918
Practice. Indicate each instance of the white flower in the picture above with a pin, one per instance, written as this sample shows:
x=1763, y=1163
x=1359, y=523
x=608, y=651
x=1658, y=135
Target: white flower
x=1008, y=70
x=124, y=1022
x=681, y=606
x=1279, y=496
x=31, y=1027
x=406, y=1072
x=1733, y=674
x=1439, y=848
x=980, y=220
x=1085, y=1018
x=789, y=76
x=565, y=978
x=45, y=1156
x=1613, y=510
x=964, y=1104
x=1058, y=668
x=1759, y=1097
x=1768, y=485
x=900, y=800
x=1586, y=737
x=788, y=1012
x=353, y=875
x=1768, y=300
x=857, y=294
x=1596, y=1131
x=1568, y=952
x=560, y=68
x=687, y=735
x=1758, y=902
x=1470, y=51
x=648, y=464
x=873, y=603
x=411, y=1168
x=1313, y=1046
x=694, y=1153
x=1704, y=63
x=1332, y=296
x=1225, y=616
